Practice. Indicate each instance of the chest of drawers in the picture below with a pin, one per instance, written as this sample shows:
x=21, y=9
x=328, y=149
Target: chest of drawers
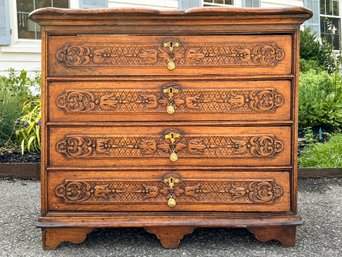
x=169, y=120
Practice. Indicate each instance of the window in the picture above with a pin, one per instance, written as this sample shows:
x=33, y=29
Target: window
x=251, y=3
x=217, y=2
x=27, y=28
x=331, y=22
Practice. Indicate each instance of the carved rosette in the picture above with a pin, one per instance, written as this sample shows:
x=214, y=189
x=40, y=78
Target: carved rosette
x=249, y=191
x=77, y=146
x=264, y=100
x=242, y=146
x=257, y=192
x=74, y=191
x=220, y=54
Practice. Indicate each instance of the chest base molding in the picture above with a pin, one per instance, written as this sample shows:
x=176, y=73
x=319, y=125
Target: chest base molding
x=170, y=228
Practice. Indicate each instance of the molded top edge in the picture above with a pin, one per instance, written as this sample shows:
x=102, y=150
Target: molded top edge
x=105, y=13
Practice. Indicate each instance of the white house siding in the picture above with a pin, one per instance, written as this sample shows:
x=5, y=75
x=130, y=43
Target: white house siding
x=26, y=54
x=19, y=61
x=160, y=4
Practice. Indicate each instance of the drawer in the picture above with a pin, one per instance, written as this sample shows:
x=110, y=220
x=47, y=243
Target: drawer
x=169, y=101
x=98, y=55
x=108, y=146
x=169, y=191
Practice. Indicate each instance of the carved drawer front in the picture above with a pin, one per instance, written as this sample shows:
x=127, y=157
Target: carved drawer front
x=169, y=191
x=162, y=100
x=163, y=55
x=169, y=145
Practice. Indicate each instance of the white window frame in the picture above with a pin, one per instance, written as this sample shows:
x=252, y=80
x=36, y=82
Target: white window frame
x=235, y=3
x=214, y=4
x=23, y=45
x=332, y=16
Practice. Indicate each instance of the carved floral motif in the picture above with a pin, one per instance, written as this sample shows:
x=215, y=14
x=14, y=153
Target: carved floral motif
x=220, y=54
x=249, y=191
x=228, y=101
x=244, y=146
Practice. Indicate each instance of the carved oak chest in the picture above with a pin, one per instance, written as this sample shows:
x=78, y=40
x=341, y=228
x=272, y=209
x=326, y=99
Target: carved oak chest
x=169, y=120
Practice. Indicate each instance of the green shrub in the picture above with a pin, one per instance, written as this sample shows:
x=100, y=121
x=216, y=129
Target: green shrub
x=21, y=85
x=327, y=155
x=306, y=137
x=321, y=53
x=30, y=127
x=16, y=90
x=10, y=110
x=307, y=65
x=320, y=100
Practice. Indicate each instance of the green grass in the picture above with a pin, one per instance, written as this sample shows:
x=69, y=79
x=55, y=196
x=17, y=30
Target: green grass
x=319, y=155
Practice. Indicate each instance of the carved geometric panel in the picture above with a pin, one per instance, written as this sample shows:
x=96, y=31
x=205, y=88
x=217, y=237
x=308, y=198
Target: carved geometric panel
x=219, y=54
x=111, y=191
x=230, y=146
x=262, y=100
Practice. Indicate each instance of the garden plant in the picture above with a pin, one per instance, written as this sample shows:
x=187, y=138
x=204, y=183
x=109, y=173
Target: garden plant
x=19, y=112
x=320, y=104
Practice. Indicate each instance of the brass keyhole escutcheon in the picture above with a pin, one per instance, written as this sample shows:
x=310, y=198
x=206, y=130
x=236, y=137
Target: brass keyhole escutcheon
x=171, y=45
x=171, y=91
x=172, y=136
x=171, y=181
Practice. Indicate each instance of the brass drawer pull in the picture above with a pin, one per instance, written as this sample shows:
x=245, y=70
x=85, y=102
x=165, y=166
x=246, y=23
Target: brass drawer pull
x=170, y=92
x=170, y=109
x=170, y=48
x=172, y=136
x=171, y=65
x=171, y=202
x=170, y=182
x=174, y=156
